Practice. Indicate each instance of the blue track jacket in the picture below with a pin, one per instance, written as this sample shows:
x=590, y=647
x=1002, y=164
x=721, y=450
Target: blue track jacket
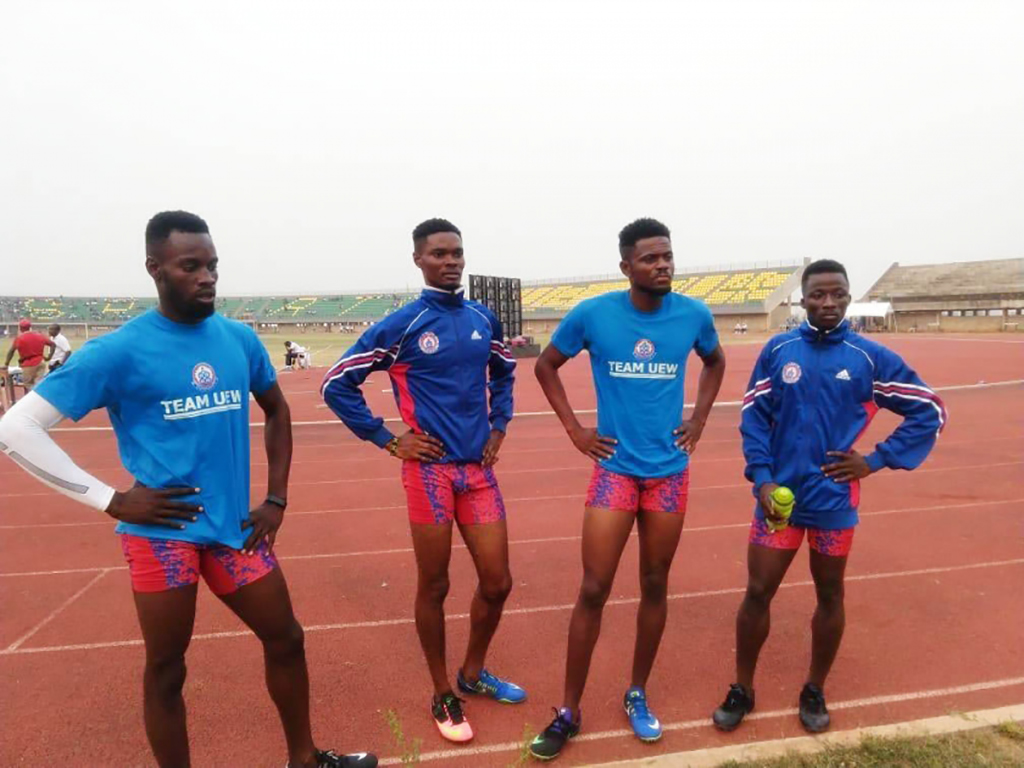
x=438, y=351
x=816, y=391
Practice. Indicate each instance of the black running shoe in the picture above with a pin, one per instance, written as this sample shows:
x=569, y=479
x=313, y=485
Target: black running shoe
x=548, y=745
x=813, y=712
x=331, y=759
x=738, y=703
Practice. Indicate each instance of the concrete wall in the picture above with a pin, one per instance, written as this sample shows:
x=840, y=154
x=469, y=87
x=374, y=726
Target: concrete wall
x=756, y=323
x=532, y=327
x=925, y=321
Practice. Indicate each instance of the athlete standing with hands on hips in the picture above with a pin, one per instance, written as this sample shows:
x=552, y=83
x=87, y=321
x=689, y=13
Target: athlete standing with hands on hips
x=175, y=382
x=440, y=351
x=812, y=395
x=639, y=341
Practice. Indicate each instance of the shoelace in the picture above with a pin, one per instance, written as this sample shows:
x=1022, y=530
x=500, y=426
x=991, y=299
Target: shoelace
x=488, y=681
x=453, y=706
x=332, y=759
x=815, y=700
x=736, y=697
x=559, y=725
x=639, y=706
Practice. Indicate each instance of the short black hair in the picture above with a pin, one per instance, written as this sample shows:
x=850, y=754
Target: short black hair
x=431, y=227
x=160, y=227
x=823, y=267
x=640, y=229
x=54, y=325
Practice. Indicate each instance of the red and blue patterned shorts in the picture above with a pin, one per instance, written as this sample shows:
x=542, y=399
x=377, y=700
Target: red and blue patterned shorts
x=157, y=565
x=441, y=493
x=834, y=543
x=610, y=490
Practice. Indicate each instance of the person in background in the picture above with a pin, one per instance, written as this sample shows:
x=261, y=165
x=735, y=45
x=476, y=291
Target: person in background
x=61, y=350
x=30, y=346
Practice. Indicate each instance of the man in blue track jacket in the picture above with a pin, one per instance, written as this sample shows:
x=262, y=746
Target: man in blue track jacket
x=438, y=351
x=812, y=395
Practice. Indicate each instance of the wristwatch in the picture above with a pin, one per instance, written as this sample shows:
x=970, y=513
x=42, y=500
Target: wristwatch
x=392, y=446
x=277, y=501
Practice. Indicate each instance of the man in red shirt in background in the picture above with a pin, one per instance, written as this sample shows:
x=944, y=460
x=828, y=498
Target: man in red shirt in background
x=30, y=347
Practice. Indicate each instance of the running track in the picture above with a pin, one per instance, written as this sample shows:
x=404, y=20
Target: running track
x=934, y=599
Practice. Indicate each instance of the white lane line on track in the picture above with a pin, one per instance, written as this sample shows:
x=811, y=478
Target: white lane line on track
x=574, y=468
x=687, y=725
x=56, y=612
x=520, y=611
x=521, y=542
x=505, y=453
x=392, y=507
x=718, y=404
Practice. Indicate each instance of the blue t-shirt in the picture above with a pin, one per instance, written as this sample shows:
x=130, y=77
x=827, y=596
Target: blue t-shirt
x=639, y=364
x=178, y=398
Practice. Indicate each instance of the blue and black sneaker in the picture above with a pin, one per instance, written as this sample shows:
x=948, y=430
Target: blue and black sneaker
x=645, y=724
x=548, y=745
x=492, y=687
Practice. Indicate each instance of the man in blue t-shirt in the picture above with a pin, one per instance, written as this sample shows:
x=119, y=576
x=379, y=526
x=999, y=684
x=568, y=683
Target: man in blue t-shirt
x=639, y=341
x=175, y=382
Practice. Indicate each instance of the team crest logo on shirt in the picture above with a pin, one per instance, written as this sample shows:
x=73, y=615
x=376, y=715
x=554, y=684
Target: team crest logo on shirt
x=429, y=343
x=791, y=373
x=644, y=350
x=203, y=376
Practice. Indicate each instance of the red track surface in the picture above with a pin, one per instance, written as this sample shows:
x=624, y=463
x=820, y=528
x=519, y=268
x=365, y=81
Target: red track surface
x=934, y=601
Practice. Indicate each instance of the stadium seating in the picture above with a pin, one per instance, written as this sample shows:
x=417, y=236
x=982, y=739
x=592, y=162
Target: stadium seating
x=715, y=288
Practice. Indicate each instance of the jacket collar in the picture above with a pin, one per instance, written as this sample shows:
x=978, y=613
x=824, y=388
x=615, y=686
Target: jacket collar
x=814, y=335
x=439, y=297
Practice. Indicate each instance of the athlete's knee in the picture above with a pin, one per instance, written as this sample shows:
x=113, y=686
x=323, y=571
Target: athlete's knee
x=497, y=589
x=165, y=676
x=654, y=584
x=830, y=594
x=287, y=645
x=759, y=594
x=434, y=589
x=594, y=592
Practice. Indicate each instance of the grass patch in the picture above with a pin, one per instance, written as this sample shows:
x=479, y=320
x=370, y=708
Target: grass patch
x=999, y=747
x=523, y=758
x=408, y=751
x=1011, y=730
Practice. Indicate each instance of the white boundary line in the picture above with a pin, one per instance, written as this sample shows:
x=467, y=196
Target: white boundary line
x=365, y=458
x=710, y=757
x=392, y=478
x=55, y=613
x=391, y=507
x=518, y=542
x=514, y=611
x=519, y=414
x=689, y=725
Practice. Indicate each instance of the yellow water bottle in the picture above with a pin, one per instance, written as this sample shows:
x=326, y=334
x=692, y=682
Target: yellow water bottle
x=782, y=504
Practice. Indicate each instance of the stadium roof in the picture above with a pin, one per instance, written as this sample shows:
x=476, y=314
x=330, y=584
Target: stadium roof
x=962, y=278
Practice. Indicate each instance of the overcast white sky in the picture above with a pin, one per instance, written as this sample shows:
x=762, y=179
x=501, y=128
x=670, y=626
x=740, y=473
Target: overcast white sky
x=314, y=135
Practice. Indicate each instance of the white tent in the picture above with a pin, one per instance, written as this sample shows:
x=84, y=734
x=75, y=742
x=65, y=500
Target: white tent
x=869, y=309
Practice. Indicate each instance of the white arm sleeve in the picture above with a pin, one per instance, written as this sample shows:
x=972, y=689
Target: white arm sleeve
x=23, y=437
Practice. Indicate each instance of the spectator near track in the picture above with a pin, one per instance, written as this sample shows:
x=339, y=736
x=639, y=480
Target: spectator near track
x=812, y=395
x=293, y=354
x=30, y=347
x=639, y=341
x=61, y=348
x=438, y=351
x=176, y=383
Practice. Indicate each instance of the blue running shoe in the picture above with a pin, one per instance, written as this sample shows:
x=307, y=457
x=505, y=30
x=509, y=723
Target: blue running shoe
x=645, y=724
x=492, y=687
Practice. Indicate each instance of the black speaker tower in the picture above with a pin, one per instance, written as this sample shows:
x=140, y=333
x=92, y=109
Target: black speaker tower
x=504, y=297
